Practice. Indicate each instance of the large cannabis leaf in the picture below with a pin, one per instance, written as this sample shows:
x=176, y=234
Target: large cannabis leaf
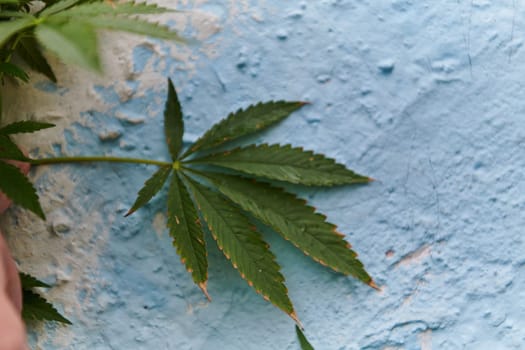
x=230, y=206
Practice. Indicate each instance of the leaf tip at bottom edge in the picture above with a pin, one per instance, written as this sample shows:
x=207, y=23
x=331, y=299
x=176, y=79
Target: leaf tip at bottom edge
x=204, y=289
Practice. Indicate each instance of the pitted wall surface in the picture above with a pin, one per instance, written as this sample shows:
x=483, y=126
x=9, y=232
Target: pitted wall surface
x=426, y=97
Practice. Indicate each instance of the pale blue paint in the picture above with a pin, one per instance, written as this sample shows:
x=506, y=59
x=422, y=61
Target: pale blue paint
x=425, y=96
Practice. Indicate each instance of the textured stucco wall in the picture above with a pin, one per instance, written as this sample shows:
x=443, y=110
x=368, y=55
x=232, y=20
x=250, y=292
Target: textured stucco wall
x=425, y=96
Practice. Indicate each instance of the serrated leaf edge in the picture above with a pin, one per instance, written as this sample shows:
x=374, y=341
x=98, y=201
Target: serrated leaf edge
x=292, y=314
x=150, y=182
x=211, y=159
x=201, y=284
x=313, y=211
x=197, y=145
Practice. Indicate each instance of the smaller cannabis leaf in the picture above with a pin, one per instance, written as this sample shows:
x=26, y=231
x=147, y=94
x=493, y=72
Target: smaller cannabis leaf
x=30, y=282
x=25, y=126
x=151, y=187
x=35, y=307
x=30, y=52
x=69, y=29
x=305, y=345
x=13, y=71
x=202, y=198
x=13, y=183
x=244, y=122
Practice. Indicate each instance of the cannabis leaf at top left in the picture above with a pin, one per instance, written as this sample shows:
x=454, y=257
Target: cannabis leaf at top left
x=69, y=29
x=13, y=183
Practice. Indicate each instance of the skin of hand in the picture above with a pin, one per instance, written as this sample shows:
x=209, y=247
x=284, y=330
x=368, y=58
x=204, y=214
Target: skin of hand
x=12, y=329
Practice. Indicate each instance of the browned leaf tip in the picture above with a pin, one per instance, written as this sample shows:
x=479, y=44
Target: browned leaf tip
x=374, y=285
x=204, y=289
x=131, y=211
x=370, y=179
x=304, y=103
x=294, y=317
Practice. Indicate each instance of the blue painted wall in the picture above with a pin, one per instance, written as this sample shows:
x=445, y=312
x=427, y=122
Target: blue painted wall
x=424, y=96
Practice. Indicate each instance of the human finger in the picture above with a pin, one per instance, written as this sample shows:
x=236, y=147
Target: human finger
x=12, y=330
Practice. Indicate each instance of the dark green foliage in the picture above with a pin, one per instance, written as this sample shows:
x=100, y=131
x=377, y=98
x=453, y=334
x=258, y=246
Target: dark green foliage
x=35, y=307
x=12, y=182
x=294, y=220
x=68, y=28
x=305, y=345
x=151, y=187
x=29, y=50
x=241, y=243
x=223, y=201
x=186, y=231
x=18, y=188
x=285, y=163
x=29, y=282
x=173, y=123
x=13, y=71
x=9, y=150
x=244, y=122
x=201, y=195
x=24, y=127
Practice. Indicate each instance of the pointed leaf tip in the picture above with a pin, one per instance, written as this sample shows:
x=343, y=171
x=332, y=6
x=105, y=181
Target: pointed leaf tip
x=25, y=126
x=246, y=249
x=374, y=285
x=294, y=317
x=244, y=122
x=284, y=163
x=38, y=308
x=204, y=289
x=19, y=189
x=151, y=187
x=293, y=219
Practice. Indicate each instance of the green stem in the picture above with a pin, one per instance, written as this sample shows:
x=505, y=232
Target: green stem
x=63, y=160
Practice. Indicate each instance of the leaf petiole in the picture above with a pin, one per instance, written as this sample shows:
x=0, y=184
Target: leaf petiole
x=64, y=160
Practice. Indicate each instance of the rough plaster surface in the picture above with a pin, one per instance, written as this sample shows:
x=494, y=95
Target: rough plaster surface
x=425, y=96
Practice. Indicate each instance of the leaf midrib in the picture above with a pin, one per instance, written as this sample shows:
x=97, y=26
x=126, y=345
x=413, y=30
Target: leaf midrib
x=213, y=161
x=195, y=246
x=225, y=223
x=263, y=218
